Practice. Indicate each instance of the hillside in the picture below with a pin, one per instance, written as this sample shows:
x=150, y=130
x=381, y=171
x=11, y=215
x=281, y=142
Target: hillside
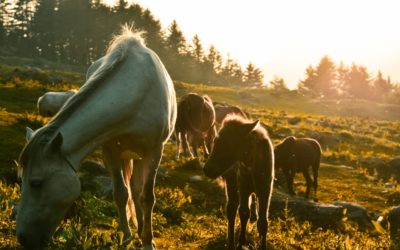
x=190, y=215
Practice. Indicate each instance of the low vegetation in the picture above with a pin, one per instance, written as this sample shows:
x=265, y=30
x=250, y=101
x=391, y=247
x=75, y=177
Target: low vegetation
x=190, y=214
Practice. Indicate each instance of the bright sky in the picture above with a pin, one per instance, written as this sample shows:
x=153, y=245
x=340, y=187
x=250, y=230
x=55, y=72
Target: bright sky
x=284, y=37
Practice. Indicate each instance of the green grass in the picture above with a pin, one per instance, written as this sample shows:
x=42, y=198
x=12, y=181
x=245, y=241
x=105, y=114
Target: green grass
x=190, y=215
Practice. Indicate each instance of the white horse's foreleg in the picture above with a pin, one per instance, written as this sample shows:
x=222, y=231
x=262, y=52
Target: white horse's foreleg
x=150, y=166
x=121, y=192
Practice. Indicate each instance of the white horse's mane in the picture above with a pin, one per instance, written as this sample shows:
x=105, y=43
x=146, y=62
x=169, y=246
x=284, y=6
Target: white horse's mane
x=126, y=36
x=116, y=53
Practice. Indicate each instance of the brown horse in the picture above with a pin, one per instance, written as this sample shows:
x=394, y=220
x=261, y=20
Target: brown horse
x=223, y=109
x=295, y=155
x=245, y=142
x=195, y=124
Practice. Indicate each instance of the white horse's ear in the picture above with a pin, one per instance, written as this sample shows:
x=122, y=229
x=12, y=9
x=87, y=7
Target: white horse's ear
x=29, y=134
x=19, y=169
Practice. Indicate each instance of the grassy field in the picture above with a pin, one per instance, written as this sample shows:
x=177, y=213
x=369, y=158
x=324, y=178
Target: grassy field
x=190, y=215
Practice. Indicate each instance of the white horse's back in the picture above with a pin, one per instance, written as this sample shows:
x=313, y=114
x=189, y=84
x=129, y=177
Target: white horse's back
x=129, y=84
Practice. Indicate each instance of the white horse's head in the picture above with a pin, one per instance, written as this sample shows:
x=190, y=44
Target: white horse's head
x=49, y=187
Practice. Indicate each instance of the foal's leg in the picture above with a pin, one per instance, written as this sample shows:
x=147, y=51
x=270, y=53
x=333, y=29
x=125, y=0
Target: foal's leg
x=195, y=144
x=121, y=192
x=178, y=144
x=315, y=168
x=232, y=204
x=289, y=180
x=150, y=162
x=253, y=208
x=244, y=210
x=307, y=176
x=263, y=192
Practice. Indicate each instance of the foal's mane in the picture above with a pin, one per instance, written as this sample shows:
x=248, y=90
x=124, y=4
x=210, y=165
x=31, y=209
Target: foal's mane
x=234, y=119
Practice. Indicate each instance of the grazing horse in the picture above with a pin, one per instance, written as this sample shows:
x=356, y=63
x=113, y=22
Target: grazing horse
x=243, y=141
x=294, y=155
x=51, y=102
x=127, y=106
x=223, y=109
x=195, y=124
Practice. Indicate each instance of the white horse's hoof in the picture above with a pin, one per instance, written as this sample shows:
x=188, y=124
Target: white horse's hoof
x=127, y=241
x=151, y=247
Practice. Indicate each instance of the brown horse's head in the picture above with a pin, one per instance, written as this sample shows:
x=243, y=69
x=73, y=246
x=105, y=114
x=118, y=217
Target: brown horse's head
x=229, y=145
x=196, y=113
x=284, y=152
x=49, y=187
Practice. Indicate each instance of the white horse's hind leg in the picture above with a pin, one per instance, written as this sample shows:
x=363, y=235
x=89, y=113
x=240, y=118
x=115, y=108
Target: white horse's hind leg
x=121, y=192
x=150, y=165
x=127, y=170
x=137, y=189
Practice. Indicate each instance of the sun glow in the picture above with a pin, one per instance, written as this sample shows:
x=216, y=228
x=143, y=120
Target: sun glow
x=284, y=37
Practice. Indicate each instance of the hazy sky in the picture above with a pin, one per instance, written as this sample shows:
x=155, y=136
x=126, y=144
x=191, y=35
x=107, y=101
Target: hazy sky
x=283, y=37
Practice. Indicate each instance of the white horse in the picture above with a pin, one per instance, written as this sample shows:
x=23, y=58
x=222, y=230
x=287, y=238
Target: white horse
x=127, y=106
x=51, y=102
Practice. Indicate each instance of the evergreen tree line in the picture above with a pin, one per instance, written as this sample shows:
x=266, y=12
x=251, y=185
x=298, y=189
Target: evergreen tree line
x=329, y=80
x=78, y=31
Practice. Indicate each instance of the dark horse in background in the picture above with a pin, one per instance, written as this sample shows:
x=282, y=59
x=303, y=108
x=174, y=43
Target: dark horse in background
x=224, y=109
x=294, y=155
x=245, y=142
x=195, y=124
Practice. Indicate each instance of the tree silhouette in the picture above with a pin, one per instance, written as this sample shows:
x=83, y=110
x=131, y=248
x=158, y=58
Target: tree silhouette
x=321, y=81
x=342, y=77
x=278, y=84
x=77, y=32
x=176, y=42
x=253, y=76
x=308, y=86
x=358, y=84
x=381, y=86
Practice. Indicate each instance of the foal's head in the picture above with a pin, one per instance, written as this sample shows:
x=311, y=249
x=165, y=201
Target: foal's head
x=229, y=145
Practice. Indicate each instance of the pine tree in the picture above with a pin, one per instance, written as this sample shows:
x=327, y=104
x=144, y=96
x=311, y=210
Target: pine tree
x=321, y=81
x=308, y=85
x=278, y=84
x=176, y=42
x=197, y=49
x=342, y=79
x=212, y=65
x=253, y=76
x=358, y=84
x=44, y=29
x=381, y=86
x=23, y=11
